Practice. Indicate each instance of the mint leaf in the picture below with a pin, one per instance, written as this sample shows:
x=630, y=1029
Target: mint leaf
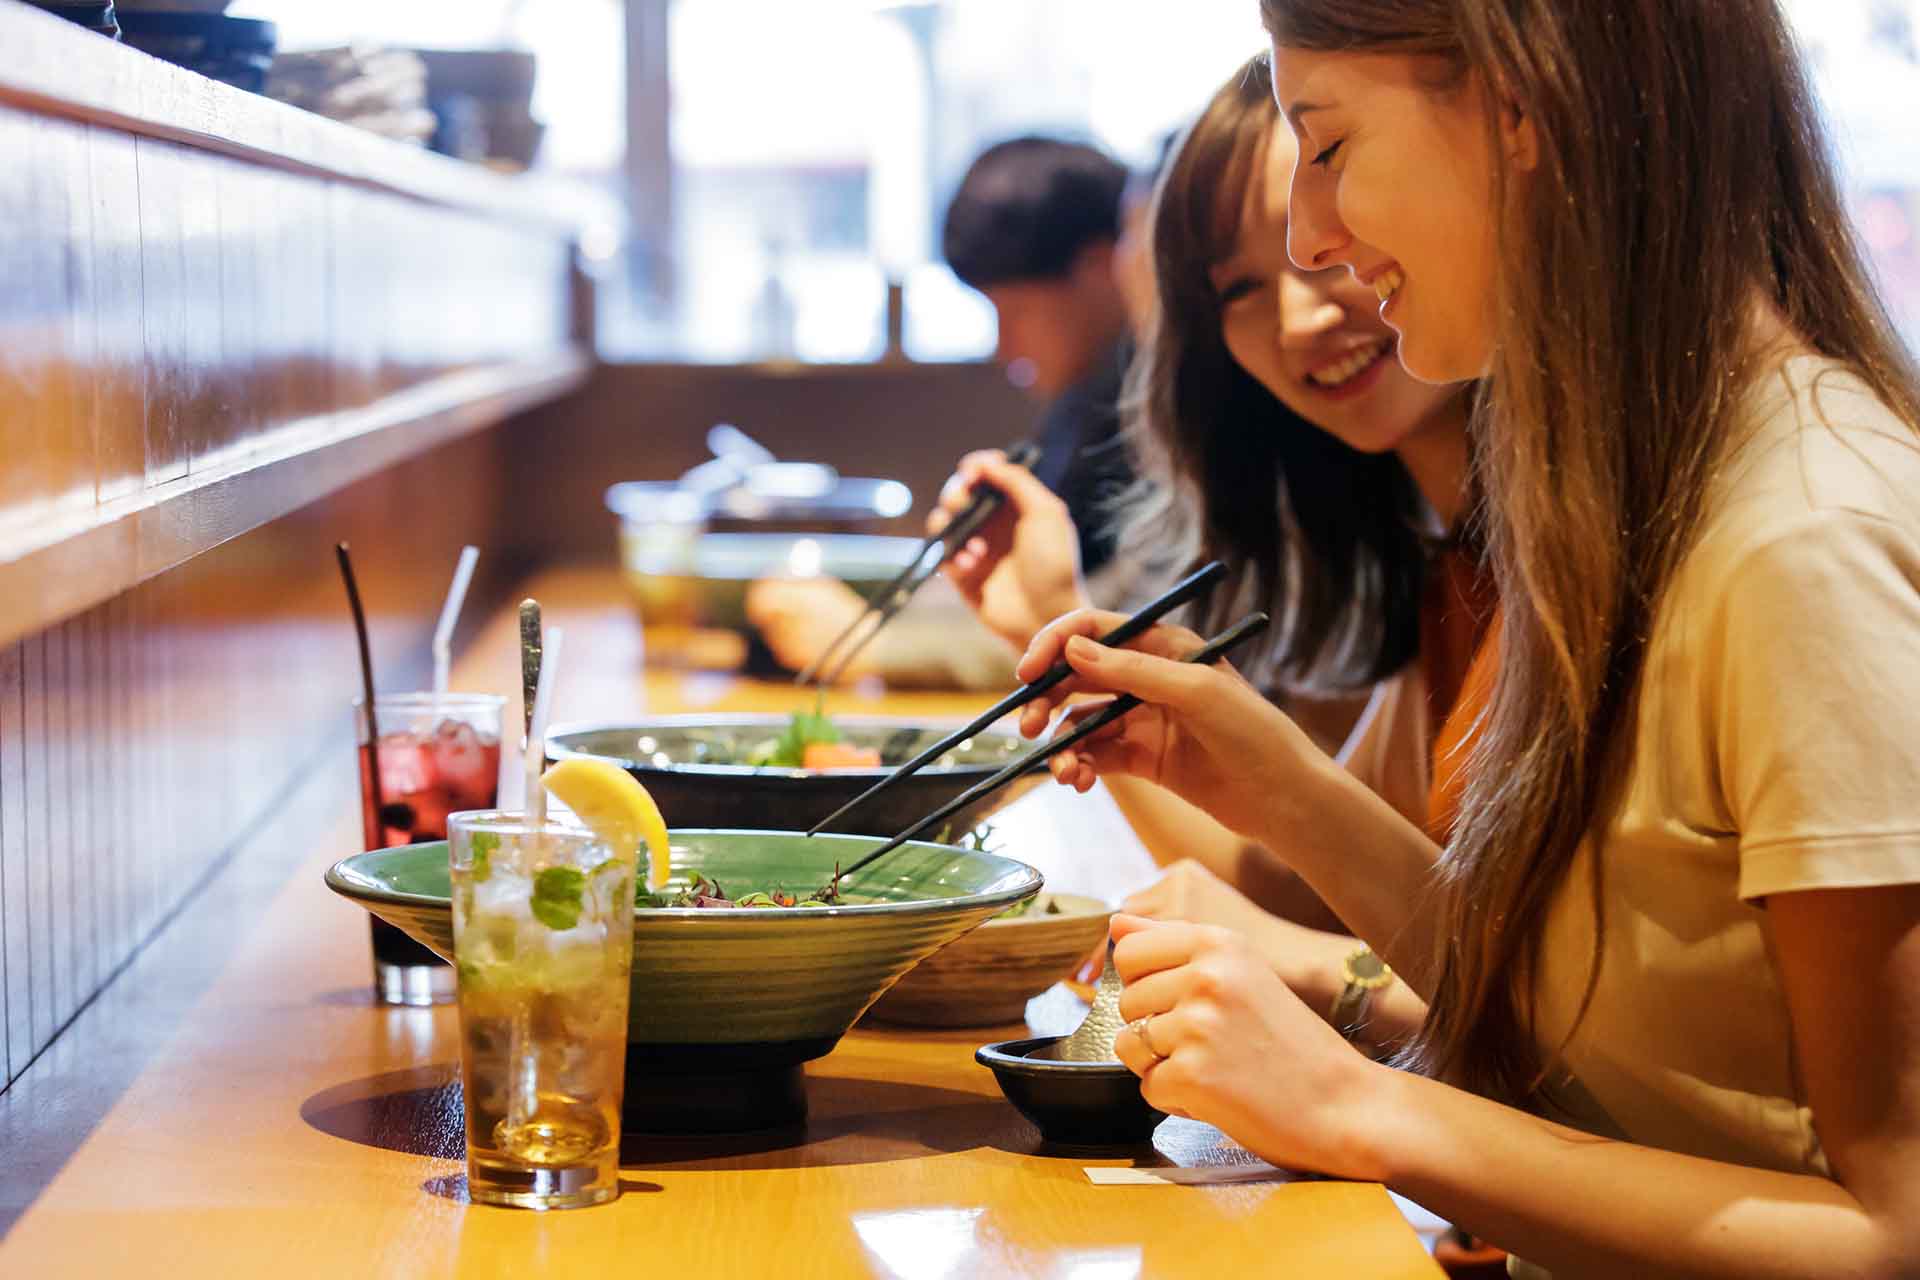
x=556, y=897
x=482, y=845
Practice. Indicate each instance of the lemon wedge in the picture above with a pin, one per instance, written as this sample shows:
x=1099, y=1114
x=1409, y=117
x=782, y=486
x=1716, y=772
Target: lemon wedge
x=615, y=808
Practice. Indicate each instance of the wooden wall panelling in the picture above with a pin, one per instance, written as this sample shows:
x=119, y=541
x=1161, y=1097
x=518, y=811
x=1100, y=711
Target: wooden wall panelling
x=172, y=381
x=34, y=798
x=84, y=710
x=19, y=482
x=19, y=479
x=208, y=415
x=59, y=853
x=41, y=474
x=299, y=298
x=139, y=741
x=354, y=280
x=65, y=258
x=228, y=431
x=123, y=726
x=118, y=373
x=15, y=910
x=148, y=825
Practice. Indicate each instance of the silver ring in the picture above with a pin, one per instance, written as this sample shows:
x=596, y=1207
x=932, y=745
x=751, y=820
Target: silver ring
x=1139, y=1028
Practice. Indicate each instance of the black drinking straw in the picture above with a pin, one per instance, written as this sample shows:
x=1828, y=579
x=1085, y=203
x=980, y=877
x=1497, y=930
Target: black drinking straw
x=366, y=684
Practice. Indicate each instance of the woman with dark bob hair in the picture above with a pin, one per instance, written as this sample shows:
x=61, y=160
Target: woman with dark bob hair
x=1671, y=946
x=1276, y=432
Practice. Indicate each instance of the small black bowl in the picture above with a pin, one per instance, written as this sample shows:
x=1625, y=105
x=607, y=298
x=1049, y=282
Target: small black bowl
x=1074, y=1104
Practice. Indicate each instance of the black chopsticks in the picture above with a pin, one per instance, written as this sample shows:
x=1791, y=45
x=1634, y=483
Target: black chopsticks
x=826, y=668
x=1251, y=625
x=1180, y=593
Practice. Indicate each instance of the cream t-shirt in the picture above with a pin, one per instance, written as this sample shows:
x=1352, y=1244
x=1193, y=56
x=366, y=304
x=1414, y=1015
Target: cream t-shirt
x=1776, y=749
x=1391, y=747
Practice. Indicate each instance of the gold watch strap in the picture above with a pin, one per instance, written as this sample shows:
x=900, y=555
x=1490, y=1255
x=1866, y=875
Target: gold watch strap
x=1363, y=973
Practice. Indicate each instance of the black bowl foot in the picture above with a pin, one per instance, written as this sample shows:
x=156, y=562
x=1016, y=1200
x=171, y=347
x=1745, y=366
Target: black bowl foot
x=690, y=1089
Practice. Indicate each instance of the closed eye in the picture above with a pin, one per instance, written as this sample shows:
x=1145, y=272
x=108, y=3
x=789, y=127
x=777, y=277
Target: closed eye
x=1327, y=155
x=1236, y=289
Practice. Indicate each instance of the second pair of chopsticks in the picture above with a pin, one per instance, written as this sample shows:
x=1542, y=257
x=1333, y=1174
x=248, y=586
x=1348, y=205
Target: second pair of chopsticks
x=987, y=500
x=1180, y=593
x=1218, y=647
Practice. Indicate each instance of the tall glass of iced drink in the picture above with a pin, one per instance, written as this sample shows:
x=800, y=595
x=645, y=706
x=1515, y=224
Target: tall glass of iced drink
x=437, y=753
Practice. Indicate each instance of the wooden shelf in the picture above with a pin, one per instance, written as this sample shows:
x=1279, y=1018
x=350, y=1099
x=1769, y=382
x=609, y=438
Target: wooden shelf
x=55, y=568
x=55, y=67
x=221, y=308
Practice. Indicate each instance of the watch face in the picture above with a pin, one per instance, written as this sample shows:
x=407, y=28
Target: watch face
x=1367, y=969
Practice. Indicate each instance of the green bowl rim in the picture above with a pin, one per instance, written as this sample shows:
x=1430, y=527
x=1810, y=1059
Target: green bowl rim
x=1029, y=883
x=772, y=721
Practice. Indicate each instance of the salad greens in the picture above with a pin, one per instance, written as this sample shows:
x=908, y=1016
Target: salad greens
x=789, y=750
x=708, y=893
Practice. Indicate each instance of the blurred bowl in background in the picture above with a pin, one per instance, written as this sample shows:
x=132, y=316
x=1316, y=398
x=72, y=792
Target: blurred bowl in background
x=683, y=577
x=694, y=768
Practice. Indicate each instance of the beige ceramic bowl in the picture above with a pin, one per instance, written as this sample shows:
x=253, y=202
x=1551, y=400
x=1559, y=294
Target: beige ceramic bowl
x=986, y=977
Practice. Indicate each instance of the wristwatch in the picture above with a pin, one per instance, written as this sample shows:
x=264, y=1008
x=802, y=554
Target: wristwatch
x=1364, y=973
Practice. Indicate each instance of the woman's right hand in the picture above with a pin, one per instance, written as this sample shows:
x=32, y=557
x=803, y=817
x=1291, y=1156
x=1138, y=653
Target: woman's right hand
x=1205, y=733
x=1022, y=569
x=1307, y=960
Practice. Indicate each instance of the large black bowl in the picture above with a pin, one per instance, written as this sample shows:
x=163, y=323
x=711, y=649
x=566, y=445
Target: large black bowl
x=676, y=760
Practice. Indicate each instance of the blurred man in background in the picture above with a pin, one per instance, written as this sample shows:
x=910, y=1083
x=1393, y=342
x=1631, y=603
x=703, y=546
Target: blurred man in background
x=1034, y=227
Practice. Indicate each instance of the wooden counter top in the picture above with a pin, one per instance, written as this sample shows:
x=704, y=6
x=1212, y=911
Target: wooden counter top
x=233, y=1105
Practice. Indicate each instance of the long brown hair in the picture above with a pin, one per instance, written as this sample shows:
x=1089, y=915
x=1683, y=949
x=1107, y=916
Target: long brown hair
x=1229, y=472
x=1683, y=176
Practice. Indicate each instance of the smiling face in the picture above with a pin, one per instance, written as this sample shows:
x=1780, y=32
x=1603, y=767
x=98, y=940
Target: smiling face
x=1313, y=338
x=1396, y=183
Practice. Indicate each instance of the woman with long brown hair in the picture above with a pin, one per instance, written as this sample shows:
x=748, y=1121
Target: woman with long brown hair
x=1672, y=947
x=1276, y=432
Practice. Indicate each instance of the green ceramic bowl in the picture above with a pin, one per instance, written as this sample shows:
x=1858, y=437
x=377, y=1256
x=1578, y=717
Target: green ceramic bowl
x=727, y=1004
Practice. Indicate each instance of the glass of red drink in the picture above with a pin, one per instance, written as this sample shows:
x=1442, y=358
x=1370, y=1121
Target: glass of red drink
x=437, y=754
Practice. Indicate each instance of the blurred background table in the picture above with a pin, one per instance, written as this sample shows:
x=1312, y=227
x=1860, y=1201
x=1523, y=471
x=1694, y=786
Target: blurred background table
x=241, y=1108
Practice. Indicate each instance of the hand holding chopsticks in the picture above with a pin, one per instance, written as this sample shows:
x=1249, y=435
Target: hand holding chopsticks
x=1180, y=593
x=1216, y=648
x=987, y=501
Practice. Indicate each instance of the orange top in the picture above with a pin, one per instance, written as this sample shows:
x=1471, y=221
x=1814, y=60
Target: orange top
x=1458, y=625
x=1451, y=744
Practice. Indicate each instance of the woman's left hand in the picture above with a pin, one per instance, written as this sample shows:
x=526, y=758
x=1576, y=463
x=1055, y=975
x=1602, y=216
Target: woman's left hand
x=1226, y=1042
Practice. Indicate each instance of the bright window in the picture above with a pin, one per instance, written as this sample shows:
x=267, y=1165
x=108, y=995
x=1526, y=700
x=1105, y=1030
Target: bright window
x=812, y=144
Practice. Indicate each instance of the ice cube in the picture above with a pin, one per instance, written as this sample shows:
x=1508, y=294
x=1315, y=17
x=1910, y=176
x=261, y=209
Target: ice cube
x=406, y=767
x=504, y=894
x=467, y=764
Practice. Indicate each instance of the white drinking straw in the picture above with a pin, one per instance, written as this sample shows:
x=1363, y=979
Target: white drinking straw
x=450, y=614
x=537, y=735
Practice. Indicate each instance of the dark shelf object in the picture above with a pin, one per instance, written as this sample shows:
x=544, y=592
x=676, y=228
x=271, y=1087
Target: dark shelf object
x=237, y=51
x=94, y=17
